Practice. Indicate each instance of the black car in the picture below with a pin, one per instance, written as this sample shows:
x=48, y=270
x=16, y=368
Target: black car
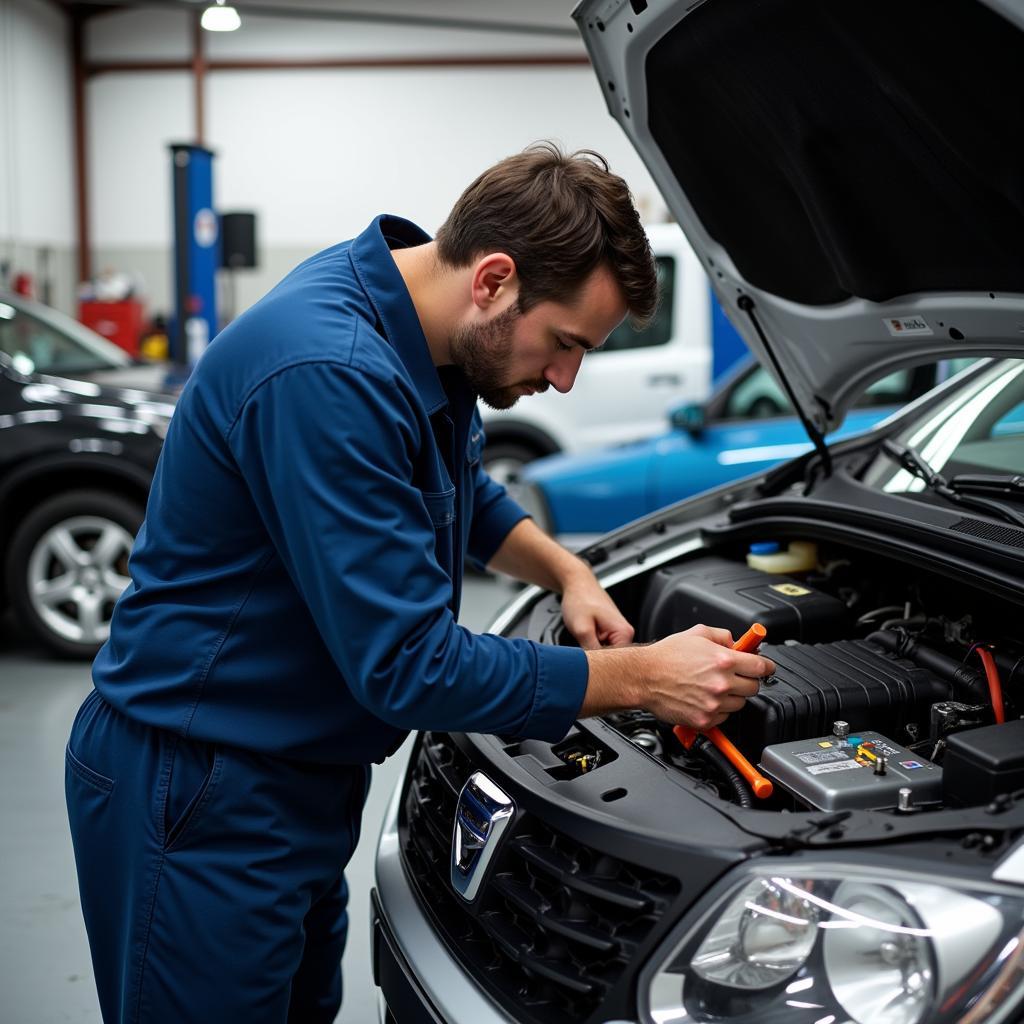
x=851, y=176
x=78, y=448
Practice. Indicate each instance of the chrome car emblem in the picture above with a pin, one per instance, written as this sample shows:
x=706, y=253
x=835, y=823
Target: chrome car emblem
x=481, y=816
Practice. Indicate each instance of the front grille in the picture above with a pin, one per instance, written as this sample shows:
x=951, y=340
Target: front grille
x=557, y=923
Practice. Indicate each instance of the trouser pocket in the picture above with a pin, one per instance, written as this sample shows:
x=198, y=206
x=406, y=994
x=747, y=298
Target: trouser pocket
x=195, y=770
x=87, y=790
x=85, y=773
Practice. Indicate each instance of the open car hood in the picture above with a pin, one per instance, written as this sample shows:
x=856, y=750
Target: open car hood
x=851, y=174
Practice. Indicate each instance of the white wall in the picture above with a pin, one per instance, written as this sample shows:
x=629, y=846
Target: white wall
x=131, y=118
x=320, y=153
x=317, y=153
x=36, y=138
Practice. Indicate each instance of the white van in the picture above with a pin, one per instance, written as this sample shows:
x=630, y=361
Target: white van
x=624, y=389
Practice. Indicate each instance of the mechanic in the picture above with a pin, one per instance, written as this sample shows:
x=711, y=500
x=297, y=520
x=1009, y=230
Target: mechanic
x=295, y=587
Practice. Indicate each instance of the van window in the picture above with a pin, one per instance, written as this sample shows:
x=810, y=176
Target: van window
x=659, y=330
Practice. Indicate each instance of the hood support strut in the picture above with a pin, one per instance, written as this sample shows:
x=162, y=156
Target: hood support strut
x=746, y=303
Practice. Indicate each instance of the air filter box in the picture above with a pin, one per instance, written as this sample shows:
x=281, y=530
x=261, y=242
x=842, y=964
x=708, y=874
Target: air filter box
x=816, y=684
x=718, y=592
x=982, y=763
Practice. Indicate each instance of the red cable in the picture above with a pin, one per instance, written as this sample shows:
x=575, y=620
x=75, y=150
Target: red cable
x=995, y=687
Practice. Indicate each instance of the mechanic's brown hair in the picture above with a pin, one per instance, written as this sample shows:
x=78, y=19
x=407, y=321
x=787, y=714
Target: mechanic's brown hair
x=559, y=217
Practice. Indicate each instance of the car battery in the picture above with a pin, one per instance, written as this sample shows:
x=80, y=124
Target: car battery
x=865, y=771
x=718, y=592
x=983, y=763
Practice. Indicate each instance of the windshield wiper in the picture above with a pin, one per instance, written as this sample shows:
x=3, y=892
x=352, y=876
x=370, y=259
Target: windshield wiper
x=1008, y=484
x=956, y=490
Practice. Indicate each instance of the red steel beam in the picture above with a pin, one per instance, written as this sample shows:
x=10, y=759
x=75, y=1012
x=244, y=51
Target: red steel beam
x=198, y=76
x=79, y=74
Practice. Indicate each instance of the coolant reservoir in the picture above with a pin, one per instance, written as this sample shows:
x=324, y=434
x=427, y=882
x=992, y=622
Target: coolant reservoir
x=770, y=556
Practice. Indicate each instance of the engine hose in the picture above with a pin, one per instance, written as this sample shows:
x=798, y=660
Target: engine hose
x=711, y=753
x=995, y=685
x=968, y=684
x=1009, y=666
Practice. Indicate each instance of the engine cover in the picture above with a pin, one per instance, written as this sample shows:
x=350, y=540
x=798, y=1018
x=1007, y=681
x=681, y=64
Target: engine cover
x=731, y=594
x=816, y=684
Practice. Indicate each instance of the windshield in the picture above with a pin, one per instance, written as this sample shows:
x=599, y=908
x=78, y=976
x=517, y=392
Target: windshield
x=44, y=341
x=979, y=428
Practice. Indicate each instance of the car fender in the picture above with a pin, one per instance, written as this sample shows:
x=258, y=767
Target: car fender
x=63, y=464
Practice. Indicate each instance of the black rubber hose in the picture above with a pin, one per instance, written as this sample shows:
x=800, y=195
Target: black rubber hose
x=1011, y=667
x=737, y=784
x=968, y=684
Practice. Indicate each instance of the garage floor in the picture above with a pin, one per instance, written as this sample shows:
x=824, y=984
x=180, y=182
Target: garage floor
x=45, y=973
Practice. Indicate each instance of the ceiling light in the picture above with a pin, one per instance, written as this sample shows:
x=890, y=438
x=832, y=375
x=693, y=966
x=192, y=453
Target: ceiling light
x=220, y=18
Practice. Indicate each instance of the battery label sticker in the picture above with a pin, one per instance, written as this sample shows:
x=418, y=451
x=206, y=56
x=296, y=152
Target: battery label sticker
x=911, y=764
x=898, y=326
x=790, y=589
x=821, y=756
x=835, y=766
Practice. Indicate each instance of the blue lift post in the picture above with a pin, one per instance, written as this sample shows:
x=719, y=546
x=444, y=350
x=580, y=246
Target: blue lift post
x=727, y=346
x=196, y=253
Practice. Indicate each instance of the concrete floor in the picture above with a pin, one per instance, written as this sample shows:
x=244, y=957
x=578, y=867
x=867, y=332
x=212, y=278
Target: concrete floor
x=45, y=972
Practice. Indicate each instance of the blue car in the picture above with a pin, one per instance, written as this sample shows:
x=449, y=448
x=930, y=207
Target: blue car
x=746, y=427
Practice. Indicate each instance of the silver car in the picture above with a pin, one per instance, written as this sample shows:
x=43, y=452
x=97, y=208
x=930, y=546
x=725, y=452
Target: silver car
x=850, y=176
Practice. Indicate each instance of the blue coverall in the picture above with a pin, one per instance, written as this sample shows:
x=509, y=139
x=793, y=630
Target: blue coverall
x=292, y=613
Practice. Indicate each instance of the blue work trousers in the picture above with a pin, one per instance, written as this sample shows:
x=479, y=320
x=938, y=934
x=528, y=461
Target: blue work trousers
x=211, y=878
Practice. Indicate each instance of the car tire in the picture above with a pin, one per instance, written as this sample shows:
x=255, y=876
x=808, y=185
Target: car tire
x=504, y=460
x=67, y=565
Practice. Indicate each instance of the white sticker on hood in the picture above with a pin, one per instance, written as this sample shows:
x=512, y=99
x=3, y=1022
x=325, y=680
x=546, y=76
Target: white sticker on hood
x=898, y=326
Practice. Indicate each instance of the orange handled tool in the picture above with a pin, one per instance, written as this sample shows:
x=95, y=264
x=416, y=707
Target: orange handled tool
x=761, y=786
x=751, y=640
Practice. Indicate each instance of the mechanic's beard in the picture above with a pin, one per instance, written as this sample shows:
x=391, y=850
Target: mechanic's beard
x=483, y=353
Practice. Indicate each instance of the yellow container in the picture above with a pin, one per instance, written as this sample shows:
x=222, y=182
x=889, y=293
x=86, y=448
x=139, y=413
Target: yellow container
x=798, y=556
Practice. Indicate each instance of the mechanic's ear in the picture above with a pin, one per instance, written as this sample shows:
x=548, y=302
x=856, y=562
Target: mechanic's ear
x=494, y=277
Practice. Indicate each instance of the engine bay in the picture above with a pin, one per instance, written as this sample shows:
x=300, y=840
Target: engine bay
x=895, y=690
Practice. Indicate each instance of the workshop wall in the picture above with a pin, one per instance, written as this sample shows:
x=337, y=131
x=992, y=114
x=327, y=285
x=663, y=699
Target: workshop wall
x=36, y=146
x=317, y=153
x=131, y=119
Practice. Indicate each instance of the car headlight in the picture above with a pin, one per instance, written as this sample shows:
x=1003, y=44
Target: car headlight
x=826, y=946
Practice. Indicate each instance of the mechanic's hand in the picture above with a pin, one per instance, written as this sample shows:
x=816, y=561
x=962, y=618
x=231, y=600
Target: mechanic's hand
x=696, y=679
x=592, y=616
